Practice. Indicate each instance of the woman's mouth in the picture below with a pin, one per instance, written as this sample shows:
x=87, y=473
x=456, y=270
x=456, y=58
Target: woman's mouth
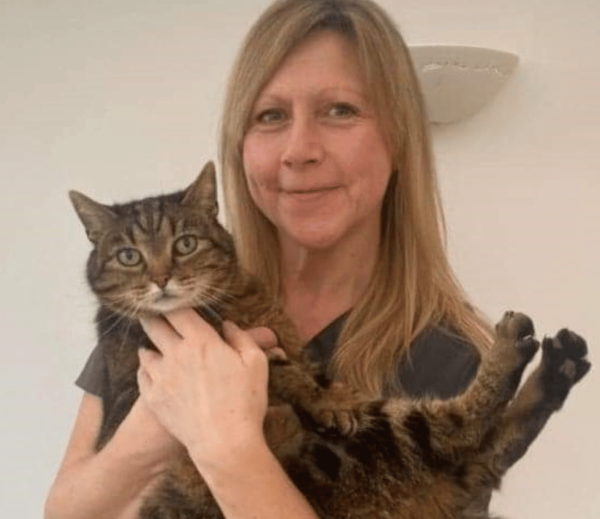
x=309, y=194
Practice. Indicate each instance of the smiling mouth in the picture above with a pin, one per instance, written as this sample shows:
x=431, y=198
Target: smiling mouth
x=309, y=193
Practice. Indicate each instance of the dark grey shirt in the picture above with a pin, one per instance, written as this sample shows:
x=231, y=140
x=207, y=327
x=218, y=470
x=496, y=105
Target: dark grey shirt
x=439, y=364
x=94, y=377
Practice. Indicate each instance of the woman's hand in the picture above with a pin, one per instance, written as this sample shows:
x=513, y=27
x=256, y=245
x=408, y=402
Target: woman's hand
x=209, y=393
x=150, y=434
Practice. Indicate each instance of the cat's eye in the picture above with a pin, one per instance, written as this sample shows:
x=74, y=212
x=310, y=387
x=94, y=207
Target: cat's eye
x=129, y=257
x=185, y=245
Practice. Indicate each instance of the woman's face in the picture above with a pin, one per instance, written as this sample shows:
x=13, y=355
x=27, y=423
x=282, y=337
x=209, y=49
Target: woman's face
x=315, y=159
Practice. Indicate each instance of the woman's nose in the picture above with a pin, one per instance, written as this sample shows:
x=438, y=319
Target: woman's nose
x=303, y=145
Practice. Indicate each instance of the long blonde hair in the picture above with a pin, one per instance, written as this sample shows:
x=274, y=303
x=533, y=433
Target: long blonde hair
x=413, y=286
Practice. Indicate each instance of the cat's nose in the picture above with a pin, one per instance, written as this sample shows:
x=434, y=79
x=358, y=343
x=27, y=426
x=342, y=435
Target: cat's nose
x=161, y=280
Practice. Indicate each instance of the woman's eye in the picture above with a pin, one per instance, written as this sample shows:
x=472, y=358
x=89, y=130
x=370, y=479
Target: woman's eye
x=129, y=257
x=270, y=116
x=185, y=245
x=341, y=110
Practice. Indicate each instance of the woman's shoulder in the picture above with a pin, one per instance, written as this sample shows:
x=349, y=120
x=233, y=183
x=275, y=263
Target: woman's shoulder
x=439, y=364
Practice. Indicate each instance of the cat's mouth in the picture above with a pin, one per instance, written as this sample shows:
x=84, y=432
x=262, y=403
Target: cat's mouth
x=166, y=296
x=166, y=302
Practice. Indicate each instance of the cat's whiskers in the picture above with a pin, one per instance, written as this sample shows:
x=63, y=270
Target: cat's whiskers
x=117, y=320
x=136, y=311
x=211, y=295
x=217, y=291
x=125, y=304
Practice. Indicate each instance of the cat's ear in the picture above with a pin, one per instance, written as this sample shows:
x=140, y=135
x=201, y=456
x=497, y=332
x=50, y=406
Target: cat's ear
x=203, y=192
x=96, y=217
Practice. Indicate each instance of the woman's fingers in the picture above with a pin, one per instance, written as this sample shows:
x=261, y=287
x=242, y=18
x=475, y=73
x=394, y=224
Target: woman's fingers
x=160, y=332
x=187, y=323
x=268, y=342
x=172, y=332
x=148, y=357
x=264, y=337
x=241, y=341
x=148, y=361
x=143, y=379
x=235, y=337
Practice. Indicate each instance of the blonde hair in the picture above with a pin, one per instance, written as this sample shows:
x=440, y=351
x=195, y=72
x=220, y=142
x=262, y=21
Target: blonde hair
x=413, y=286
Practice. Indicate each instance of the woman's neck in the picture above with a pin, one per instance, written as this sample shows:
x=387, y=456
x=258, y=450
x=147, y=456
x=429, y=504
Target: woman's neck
x=320, y=285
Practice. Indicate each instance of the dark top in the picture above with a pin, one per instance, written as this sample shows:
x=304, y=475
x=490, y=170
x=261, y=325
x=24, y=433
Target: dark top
x=439, y=364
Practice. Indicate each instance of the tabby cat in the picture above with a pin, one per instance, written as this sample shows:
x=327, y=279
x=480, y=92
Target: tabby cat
x=352, y=457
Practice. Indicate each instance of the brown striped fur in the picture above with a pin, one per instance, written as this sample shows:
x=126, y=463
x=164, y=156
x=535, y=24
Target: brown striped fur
x=352, y=457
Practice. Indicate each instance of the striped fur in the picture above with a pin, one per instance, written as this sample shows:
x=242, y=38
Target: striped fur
x=352, y=457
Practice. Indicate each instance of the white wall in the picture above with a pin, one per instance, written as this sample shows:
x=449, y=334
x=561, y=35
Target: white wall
x=120, y=99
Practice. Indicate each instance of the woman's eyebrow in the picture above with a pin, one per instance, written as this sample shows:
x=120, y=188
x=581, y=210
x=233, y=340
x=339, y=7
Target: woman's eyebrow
x=275, y=97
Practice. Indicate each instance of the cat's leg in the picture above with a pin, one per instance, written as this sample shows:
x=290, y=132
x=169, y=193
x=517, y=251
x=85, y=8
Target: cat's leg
x=340, y=411
x=334, y=410
x=447, y=427
x=564, y=363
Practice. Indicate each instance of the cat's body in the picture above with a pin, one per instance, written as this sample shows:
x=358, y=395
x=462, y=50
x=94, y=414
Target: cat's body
x=350, y=456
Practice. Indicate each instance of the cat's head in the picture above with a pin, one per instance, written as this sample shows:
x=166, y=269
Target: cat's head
x=159, y=253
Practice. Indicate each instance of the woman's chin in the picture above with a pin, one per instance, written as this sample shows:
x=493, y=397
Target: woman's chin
x=314, y=236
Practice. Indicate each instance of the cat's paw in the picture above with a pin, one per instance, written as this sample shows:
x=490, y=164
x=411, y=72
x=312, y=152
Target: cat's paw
x=515, y=326
x=564, y=363
x=337, y=412
x=517, y=329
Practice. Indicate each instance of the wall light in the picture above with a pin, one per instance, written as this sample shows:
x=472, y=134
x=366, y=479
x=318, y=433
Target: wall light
x=458, y=81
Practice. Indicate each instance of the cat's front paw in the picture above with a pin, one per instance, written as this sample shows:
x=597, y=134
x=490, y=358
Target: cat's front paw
x=564, y=363
x=337, y=411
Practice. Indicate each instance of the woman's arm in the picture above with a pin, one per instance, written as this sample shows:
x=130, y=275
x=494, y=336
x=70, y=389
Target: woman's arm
x=252, y=484
x=111, y=483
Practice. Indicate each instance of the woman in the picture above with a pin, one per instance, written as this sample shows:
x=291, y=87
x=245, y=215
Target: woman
x=332, y=199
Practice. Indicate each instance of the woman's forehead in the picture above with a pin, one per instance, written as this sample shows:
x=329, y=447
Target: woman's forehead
x=327, y=61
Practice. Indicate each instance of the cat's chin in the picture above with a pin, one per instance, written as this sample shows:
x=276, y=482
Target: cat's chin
x=166, y=304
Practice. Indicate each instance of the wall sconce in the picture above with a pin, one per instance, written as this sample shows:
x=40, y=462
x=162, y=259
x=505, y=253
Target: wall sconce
x=458, y=81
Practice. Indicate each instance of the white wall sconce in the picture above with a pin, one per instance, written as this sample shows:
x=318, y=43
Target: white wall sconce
x=457, y=81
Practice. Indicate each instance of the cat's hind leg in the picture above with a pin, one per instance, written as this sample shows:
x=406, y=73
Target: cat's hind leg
x=564, y=363
x=448, y=427
x=451, y=424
